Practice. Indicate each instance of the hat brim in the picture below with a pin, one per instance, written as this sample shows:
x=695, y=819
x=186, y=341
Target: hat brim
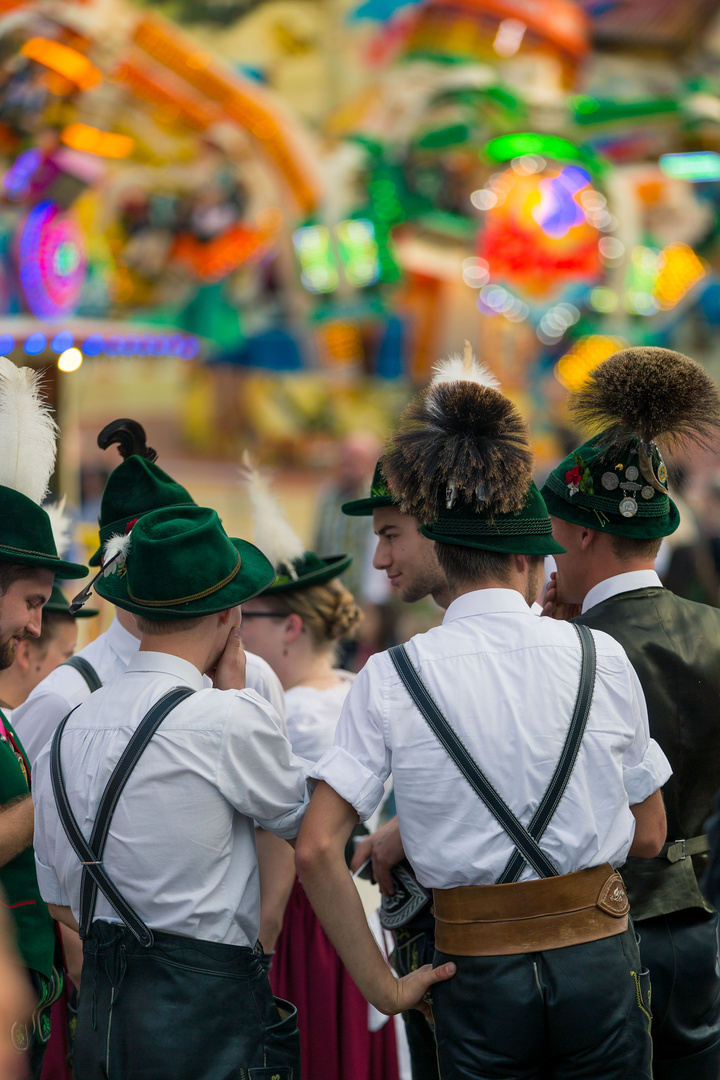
x=365, y=507
x=542, y=544
x=334, y=565
x=255, y=574
x=637, y=528
x=67, y=571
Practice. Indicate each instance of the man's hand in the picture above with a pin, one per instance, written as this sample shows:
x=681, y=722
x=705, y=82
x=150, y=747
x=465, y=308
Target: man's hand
x=552, y=608
x=412, y=988
x=229, y=673
x=385, y=849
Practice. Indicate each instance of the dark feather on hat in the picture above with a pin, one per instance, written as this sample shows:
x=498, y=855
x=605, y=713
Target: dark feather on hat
x=460, y=440
x=130, y=437
x=655, y=394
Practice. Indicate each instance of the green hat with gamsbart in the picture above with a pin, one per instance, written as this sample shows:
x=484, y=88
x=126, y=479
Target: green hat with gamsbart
x=136, y=486
x=646, y=402
x=28, y=435
x=379, y=496
x=179, y=563
x=295, y=567
x=462, y=463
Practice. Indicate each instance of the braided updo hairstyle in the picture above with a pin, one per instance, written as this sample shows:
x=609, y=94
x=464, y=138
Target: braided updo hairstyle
x=328, y=611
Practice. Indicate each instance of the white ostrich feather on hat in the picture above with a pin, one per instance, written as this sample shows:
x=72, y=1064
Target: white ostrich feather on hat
x=275, y=537
x=28, y=432
x=463, y=368
x=115, y=552
x=61, y=525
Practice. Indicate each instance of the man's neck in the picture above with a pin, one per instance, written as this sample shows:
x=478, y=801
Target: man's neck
x=610, y=568
x=475, y=586
x=127, y=621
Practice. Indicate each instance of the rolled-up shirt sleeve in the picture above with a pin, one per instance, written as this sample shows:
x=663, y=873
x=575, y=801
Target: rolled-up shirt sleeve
x=257, y=771
x=359, y=763
x=645, y=767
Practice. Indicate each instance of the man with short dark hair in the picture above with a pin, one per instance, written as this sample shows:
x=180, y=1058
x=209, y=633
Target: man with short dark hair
x=523, y=770
x=610, y=509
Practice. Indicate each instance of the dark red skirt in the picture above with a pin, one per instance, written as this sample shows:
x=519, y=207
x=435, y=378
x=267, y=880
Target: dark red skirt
x=335, y=1041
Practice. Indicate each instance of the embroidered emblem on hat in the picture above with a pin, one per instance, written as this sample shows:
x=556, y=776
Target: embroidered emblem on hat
x=610, y=480
x=648, y=492
x=662, y=473
x=628, y=507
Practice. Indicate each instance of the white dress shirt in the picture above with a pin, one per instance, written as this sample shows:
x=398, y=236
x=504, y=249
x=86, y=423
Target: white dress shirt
x=620, y=583
x=181, y=846
x=312, y=715
x=110, y=653
x=507, y=683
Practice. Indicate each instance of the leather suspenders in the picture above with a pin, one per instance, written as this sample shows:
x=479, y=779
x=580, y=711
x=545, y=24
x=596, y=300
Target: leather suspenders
x=527, y=848
x=84, y=668
x=94, y=875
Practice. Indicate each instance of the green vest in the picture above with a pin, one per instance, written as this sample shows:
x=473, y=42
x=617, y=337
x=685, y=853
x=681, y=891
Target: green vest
x=674, y=646
x=34, y=928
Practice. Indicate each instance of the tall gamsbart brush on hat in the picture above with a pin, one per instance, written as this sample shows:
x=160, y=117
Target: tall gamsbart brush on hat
x=644, y=404
x=462, y=463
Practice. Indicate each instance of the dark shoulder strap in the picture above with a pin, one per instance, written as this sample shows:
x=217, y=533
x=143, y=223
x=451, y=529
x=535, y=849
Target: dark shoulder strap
x=563, y=770
x=90, y=854
x=468, y=766
x=84, y=668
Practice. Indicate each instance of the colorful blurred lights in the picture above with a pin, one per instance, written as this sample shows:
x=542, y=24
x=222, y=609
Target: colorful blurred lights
x=509, y=37
x=604, y=299
x=35, y=343
x=70, y=360
x=703, y=166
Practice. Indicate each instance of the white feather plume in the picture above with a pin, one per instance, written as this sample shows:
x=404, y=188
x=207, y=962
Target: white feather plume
x=463, y=369
x=115, y=552
x=61, y=525
x=271, y=532
x=28, y=432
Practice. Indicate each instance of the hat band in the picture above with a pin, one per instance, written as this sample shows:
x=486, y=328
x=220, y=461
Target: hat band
x=514, y=527
x=29, y=551
x=656, y=507
x=188, y=599
x=106, y=531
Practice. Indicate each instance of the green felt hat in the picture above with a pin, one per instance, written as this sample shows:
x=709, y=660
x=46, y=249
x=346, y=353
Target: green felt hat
x=607, y=489
x=309, y=570
x=26, y=536
x=58, y=604
x=136, y=487
x=379, y=496
x=527, y=532
x=181, y=564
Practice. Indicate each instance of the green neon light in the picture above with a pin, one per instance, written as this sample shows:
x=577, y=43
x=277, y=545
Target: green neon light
x=507, y=147
x=698, y=167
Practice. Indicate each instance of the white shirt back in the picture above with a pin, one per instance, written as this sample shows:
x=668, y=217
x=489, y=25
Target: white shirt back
x=181, y=846
x=507, y=682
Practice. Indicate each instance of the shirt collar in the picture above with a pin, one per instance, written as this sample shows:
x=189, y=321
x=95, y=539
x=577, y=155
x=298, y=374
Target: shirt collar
x=166, y=664
x=620, y=583
x=486, y=602
x=121, y=641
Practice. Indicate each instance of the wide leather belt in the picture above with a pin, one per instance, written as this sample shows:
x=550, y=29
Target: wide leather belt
x=531, y=916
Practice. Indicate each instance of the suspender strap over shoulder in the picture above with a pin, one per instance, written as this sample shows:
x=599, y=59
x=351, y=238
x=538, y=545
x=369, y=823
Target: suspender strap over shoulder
x=94, y=875
x=84, y=668
x=525, y=840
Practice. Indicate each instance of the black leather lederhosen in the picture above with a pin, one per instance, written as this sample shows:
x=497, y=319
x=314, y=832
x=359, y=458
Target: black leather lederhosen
x=161, y=1006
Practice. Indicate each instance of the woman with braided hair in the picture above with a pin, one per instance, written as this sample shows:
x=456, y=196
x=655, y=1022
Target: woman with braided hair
x=296, y=625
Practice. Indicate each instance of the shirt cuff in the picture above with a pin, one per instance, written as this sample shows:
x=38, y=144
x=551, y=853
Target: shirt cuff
x=351, y=780
x=49, y=886
x=652, y=772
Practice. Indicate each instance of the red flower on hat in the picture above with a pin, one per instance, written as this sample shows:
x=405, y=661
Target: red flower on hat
x=130, y=524
x=573, y=476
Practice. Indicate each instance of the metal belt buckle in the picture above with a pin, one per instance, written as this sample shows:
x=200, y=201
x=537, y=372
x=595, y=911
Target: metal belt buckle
x=683, y=855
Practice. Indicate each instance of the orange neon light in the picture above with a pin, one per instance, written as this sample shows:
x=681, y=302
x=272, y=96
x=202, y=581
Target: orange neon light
x=239, y=103
x=93, y=141
x=65, y=61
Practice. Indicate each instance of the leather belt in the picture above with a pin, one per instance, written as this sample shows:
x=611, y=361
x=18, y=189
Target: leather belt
x=531, y=916
x=680, y=849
